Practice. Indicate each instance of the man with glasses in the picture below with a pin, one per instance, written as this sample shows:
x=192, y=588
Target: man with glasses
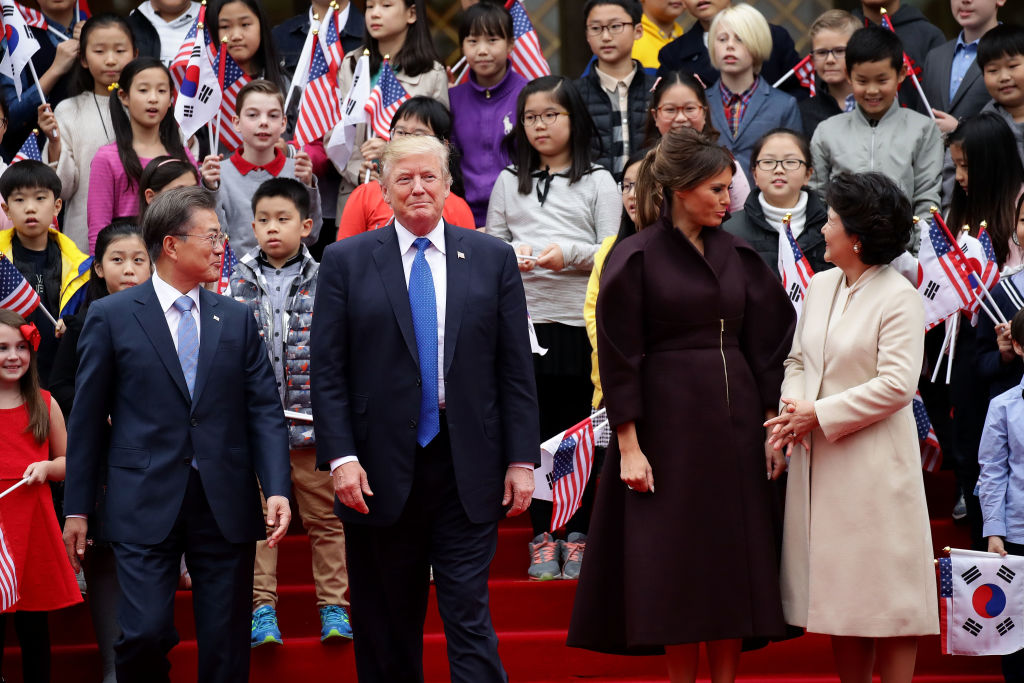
x=180, y=416
x=617, y=89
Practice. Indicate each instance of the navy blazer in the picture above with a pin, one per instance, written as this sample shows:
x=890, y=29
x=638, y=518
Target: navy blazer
x=768, y=108
x=233, y=425
x=366, y=380
x=968, y=99
x=290, y=35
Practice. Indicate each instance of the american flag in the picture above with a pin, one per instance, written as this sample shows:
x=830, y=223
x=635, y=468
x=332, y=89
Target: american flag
x=526, y=56
x=33, y=17
x=794, y=268
x=573, y=456
x=8, y=575
x=941, y=295
x=804, y=71
x=320, y=106
x=227, y=266
x=385, y=99
x=931, y=452
x=955, y=269
x=16, y=294
x=990, y=273
x=330, y=39
x=180, y=61
x=234, y=80
x=29, y=149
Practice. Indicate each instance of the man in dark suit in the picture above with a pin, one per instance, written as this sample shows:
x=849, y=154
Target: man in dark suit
x=194, y=418
x=425, y=410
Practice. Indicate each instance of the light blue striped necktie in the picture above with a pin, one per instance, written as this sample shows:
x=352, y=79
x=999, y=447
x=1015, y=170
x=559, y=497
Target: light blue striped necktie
x=423, y=302
x=188, y=341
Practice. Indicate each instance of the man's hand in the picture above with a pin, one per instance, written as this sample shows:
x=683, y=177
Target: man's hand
x=350, y=485
x=518, y=489
x=75, y=529
x=279, y=516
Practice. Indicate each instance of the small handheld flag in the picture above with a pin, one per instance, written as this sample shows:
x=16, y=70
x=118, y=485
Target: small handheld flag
x=199, y=97
x=16, y=294
x=804, y=72
x=320, y=106
x=981, y=603
x=794, y=267
x=385, y=99
x=931, y=452
x=526, y=55
x=21, y=44
x=231, y=78
x=227, y=266
x=566, y=461
x=8, y=575
x=181, y=60
x=29, y=149
x=353, y=112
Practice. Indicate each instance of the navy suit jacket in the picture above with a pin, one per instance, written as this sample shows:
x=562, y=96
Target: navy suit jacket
x=233, y=425
x=366, y=380
x=968, y=99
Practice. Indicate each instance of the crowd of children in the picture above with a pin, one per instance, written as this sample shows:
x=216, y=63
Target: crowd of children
x=548, y=165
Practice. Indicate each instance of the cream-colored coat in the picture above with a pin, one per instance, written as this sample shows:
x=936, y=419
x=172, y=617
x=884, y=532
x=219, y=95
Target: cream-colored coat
x=856, y=552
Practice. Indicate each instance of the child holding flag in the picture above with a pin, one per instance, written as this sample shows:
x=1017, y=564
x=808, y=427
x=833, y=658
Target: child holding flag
x=399, y=42
x=33, y=439
x=260, y=121
x=76, y=128
x=48, y=259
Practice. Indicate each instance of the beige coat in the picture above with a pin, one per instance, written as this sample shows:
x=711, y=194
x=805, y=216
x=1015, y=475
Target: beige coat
x=857, y=553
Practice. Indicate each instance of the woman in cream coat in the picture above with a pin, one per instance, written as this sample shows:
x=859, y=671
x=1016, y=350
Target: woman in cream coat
x=857, y=553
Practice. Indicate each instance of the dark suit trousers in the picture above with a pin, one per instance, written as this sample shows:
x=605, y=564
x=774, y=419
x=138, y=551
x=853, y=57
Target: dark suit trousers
x=221, y=598
x=388, y=569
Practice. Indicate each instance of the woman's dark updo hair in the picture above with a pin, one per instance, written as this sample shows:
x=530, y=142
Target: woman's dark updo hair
x=872, y=207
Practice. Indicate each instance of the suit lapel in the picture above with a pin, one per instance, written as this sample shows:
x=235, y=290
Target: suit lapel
x=389, y=264
x=457, y=261
x=154, y=324
x=973, y=74
x=754, y=106
x=945, y=71
x=209, y=337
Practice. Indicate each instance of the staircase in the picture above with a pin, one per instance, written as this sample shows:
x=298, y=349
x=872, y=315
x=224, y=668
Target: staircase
x=531, y=620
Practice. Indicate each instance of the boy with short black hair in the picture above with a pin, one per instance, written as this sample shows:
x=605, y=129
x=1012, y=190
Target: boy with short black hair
x=50, y=261
x=617, y=90
x=260, y=121
x=880, y=135
x=277, y=280
x=918, y=36
x=659, y=28
x=1001, y=60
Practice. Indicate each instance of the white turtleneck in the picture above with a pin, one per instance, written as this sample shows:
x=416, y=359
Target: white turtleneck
x=774, y=215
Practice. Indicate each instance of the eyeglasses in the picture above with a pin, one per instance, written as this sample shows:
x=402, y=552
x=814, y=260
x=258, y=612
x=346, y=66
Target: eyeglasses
x=787, y=164
x=627, y=187
x=614, y=29
x=216, y=240
x=822, y=53
x=401, y=133
x=670, y=111
x=548, y=117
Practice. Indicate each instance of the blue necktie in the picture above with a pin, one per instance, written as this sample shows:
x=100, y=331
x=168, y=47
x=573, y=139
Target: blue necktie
x=188, y=341
x=424, y=322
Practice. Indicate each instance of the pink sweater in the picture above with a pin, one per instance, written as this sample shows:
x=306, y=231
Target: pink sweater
x=112, y=194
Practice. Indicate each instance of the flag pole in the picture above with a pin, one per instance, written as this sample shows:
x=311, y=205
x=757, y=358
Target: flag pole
x=906, y=63
x=35, y=77
x=942, y=349
x=955, y=319
x=956, y=245
x=220, y=78
x=305, y=56
x=56, y=32
x=11, y=489
x=792, y=72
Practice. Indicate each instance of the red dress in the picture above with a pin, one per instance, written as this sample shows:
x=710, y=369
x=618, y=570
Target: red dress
x=45, y=579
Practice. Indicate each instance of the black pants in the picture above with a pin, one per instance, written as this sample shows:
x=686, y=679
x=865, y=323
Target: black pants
x=33, y=631
x=389, y=579
x=221, y=598
x=1013, y=665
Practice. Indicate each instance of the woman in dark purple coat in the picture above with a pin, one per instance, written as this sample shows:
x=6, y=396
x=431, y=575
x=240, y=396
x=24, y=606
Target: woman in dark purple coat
x=692, y=330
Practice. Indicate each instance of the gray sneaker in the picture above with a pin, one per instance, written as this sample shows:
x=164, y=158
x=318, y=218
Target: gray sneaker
x=544, y=558
x=570, y=553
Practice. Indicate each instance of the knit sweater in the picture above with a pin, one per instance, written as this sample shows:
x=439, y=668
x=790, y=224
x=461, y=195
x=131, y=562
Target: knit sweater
x=482, y=117
x=234, y=203
x=576, y=217
x=84, y=122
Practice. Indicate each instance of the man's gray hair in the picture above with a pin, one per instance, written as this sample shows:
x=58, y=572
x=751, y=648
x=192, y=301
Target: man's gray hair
x=170, y=213
x=411, y=145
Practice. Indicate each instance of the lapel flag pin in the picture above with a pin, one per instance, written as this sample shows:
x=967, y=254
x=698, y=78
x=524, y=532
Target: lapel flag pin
x=460, y=254
x=217, y=318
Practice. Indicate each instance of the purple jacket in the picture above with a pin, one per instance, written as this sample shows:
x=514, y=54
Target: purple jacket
x=482, y=118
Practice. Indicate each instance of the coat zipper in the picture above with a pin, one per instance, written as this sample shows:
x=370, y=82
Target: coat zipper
x=725, y=366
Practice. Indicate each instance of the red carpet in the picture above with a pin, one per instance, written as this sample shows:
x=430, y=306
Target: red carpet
x=531, y=619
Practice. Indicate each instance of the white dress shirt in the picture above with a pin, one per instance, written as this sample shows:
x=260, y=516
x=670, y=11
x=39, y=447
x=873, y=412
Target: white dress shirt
x=167, y=295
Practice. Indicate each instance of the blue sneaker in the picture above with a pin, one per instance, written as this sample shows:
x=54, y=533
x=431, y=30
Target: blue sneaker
x=334, y=623
x=264, y=627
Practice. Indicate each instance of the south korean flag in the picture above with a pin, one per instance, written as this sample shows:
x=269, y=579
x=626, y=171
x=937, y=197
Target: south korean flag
x=981, y=603
x=199, y=96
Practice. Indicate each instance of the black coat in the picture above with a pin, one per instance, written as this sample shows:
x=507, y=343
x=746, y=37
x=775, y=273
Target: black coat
x=606, y=149
x=147, y=40
x=687, y=53
x=290, y=35
x=750, y=225
x=816, y=109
